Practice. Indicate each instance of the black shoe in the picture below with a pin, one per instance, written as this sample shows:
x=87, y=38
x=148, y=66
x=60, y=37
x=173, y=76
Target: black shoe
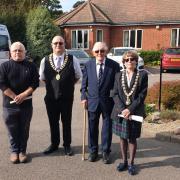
x=50, y=149
x=93, y=157
x=122, y=166
x=105, y=157
x=131, y=170
x=68, y=151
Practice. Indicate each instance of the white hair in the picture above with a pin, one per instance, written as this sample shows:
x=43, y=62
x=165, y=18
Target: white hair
x=18, y=44
x=100, y=45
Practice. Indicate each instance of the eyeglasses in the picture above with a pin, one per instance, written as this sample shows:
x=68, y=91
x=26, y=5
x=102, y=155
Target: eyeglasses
x=56, y=43
x=101, y=51
x=17, y=50
x=129, y=59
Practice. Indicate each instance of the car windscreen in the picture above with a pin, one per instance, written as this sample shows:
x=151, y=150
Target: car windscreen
x=4, y=46
x=78, y=54
x=174, y=51
x=120, y=52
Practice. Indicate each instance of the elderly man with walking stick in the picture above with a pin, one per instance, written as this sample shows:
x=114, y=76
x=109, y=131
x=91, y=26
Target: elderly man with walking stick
x=97, y=82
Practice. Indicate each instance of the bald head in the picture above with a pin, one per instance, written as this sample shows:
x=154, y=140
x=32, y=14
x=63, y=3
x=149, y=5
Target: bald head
x=99, y=51
x=100, y=45
x=58, y=45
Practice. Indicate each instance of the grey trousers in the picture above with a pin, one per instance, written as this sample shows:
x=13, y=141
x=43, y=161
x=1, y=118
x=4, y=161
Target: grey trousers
x=17, y=122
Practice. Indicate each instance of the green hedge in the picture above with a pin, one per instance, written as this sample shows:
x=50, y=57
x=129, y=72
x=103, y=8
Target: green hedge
x=151, y=57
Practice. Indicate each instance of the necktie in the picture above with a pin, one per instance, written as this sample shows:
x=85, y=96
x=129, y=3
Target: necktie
x=100, y=73
x=58, y=62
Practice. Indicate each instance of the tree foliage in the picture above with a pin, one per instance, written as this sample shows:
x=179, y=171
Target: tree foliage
x=24, y=6
x=78, y=3
x=15, y=23
x=40, y=31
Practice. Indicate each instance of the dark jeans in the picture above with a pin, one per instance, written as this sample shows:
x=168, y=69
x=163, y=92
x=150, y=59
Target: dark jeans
x=93, y=132
x=17, y=122
x=55, y=109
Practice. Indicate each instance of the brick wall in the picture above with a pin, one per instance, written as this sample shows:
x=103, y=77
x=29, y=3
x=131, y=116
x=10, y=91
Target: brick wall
x=153, y=37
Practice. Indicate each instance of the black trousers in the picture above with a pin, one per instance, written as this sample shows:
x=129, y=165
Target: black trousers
x=17, y=122
x=57, y=109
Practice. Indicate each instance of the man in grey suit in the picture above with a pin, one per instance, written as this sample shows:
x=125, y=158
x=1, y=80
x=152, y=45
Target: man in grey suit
x=97, y=82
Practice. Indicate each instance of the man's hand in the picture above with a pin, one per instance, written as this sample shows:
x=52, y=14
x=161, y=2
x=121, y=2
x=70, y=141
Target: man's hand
x=20, y=98
x=84, y=103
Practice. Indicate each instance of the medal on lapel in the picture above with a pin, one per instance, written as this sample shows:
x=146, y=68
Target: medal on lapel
x=59, y=70
x=128, y=101
x=58, y=77
x=132, y=90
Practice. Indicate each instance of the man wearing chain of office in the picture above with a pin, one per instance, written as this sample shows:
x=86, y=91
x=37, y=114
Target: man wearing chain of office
x=60, y=71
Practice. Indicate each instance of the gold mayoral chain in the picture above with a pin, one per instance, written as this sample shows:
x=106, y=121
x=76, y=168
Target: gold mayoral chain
x=128, y=101
x=58, y=76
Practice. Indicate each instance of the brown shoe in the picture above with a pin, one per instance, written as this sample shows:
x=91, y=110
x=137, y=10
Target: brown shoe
x=14, y=158
x=23, y=157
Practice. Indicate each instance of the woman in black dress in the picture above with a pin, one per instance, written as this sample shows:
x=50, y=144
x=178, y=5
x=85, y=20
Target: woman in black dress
x=129, y=92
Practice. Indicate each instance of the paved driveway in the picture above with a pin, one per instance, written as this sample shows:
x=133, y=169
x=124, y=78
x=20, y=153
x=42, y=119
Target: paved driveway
x=155, y=160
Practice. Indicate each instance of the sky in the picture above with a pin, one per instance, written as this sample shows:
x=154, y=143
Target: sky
x=67, y=4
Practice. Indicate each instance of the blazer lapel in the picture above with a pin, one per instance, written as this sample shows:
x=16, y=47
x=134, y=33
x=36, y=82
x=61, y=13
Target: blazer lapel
x=94, y=71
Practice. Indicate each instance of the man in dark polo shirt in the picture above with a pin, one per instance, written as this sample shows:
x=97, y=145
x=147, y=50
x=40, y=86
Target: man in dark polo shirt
x=60, y=71
x=18, y=79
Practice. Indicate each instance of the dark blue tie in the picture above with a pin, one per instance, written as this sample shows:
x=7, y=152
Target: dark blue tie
x=100, y=73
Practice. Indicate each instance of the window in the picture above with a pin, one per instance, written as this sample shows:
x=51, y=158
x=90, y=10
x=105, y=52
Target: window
x=4, y=46
x=99, y=35
x=80, y=39
x=175, y=37
x=132, y=38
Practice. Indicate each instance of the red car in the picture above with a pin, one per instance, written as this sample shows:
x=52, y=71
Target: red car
x=171, y=59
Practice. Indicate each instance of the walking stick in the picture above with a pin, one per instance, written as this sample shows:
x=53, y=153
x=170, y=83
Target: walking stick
x=84, y=134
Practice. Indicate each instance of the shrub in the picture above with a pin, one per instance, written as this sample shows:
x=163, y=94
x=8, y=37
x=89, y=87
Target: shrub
x=151, y=57
x=170, y=95
x=169, y=115
x=150, y=108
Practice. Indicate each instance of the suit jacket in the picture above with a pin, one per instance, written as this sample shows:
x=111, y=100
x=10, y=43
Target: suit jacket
x=137, y=100
x=98, y=94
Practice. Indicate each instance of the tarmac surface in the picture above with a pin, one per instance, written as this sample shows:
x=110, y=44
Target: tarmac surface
x=155, y=160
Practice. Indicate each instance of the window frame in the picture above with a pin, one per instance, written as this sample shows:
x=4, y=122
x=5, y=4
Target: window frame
x=135, y=39
x=83, y=42
x=97, y=35
x=177, y=37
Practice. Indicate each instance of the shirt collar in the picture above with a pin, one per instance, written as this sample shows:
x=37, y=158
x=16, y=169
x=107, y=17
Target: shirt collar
x=55, y=57
x=97, y=63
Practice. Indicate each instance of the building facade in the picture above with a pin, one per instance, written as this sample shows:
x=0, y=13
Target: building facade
x=143, y=24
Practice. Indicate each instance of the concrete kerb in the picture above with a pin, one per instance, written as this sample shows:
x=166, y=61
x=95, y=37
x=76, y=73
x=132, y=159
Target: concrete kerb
x=168, y=136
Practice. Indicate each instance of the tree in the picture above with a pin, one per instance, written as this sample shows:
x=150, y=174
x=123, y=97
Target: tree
x=78, y=3
x=53, y=7
x=40, y=31
x=24, y=6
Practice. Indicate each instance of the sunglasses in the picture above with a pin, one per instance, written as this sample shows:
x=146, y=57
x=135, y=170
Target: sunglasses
x=56, y=43
x=129, y=59
x=101, y=51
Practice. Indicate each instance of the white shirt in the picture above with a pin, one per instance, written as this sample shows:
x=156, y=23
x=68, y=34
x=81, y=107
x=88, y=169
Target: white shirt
x=77, y=69
x=128, y=79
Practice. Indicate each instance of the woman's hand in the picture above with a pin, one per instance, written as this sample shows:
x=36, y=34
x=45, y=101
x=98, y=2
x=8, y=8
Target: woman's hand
x=125, y=113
